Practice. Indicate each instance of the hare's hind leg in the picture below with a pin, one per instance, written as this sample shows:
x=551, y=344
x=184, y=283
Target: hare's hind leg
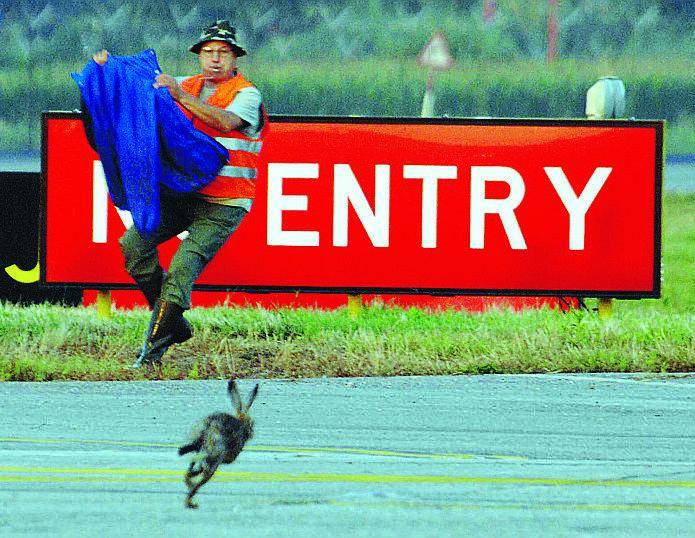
x=190, y=473
x=208, y=470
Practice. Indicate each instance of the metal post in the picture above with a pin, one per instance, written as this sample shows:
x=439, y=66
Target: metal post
x=428, y=99
x=104, y=304
x=489, y=11
x=605, y=307
x=553, y=30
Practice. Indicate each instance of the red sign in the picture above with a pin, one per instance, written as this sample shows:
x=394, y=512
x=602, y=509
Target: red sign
x=366, y=205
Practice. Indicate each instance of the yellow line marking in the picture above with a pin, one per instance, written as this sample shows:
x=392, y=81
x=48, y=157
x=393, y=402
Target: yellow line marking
x=35, y=441
x=265, y=448
x=48, y=474
x=38, y=479
x=90, y=471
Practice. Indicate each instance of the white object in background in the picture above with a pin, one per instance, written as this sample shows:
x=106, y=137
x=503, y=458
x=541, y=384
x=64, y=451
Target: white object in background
x=606, y=99
x=435, y=56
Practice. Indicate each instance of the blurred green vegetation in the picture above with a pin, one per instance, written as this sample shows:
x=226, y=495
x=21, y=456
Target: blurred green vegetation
x=353, y=57
x=281, y=30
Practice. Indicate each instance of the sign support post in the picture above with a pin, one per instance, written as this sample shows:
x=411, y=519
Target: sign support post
x=354, y=305
x=104, y=304
x=428, y=99
x=605, y=307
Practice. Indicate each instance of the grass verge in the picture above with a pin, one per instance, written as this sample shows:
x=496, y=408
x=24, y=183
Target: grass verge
x=42, y=343
x=48, y=342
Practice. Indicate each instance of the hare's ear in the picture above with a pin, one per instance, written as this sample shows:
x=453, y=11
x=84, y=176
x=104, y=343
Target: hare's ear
x=234, y=395
x=252, y=396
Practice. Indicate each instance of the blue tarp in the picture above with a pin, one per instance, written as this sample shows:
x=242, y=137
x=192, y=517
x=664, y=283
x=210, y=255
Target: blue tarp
x=143, y=138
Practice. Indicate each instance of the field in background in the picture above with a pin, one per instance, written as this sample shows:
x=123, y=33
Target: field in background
x=47, y=342
x=355, y=57
x=383, y=87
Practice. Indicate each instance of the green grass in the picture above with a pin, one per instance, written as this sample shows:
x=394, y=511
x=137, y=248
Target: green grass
x=678, y=260
x=47, y=342
x=44, y=342
x=680, y=136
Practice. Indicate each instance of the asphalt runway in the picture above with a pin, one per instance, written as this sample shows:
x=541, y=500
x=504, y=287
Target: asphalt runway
x=554, y=455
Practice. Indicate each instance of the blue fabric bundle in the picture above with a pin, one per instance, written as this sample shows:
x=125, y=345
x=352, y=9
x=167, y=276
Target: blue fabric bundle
x=143, y=138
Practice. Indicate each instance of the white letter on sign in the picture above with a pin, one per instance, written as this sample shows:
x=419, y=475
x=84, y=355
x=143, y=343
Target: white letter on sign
x=346, y=188
x=429, y=175
x=577, y=207
x=99, y=203
x=278, y=202
x=100, y=199
x=480, y=205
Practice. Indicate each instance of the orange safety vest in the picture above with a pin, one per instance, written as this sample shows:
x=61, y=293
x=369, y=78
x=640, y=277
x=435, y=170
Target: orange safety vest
x=238, y=178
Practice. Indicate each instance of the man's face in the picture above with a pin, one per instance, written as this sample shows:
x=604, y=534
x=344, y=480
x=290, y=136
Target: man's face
x=217, y=61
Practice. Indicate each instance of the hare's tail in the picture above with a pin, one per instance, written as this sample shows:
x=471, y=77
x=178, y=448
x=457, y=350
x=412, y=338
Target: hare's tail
x=192, y=447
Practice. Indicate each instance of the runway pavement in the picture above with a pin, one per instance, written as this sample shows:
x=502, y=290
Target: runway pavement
x=554, y=455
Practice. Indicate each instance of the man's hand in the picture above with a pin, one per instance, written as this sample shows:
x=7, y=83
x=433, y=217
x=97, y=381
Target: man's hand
x=101, y=57
x=169, y=82
x=215, y=117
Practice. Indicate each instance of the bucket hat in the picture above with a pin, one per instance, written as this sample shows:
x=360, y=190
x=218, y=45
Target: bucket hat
x=220, y=30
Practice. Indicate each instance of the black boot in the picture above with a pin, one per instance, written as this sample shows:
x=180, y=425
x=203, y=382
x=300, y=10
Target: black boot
x=167, y=327
x=151, y=287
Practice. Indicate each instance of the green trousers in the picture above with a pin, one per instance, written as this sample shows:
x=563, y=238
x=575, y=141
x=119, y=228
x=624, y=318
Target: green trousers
x=209, y=226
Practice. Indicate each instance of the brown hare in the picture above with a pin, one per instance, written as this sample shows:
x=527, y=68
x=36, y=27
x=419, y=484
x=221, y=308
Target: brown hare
x=217, y=439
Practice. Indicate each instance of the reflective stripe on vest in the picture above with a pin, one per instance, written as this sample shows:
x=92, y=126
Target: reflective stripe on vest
x=239, y=144
x=238, y=171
